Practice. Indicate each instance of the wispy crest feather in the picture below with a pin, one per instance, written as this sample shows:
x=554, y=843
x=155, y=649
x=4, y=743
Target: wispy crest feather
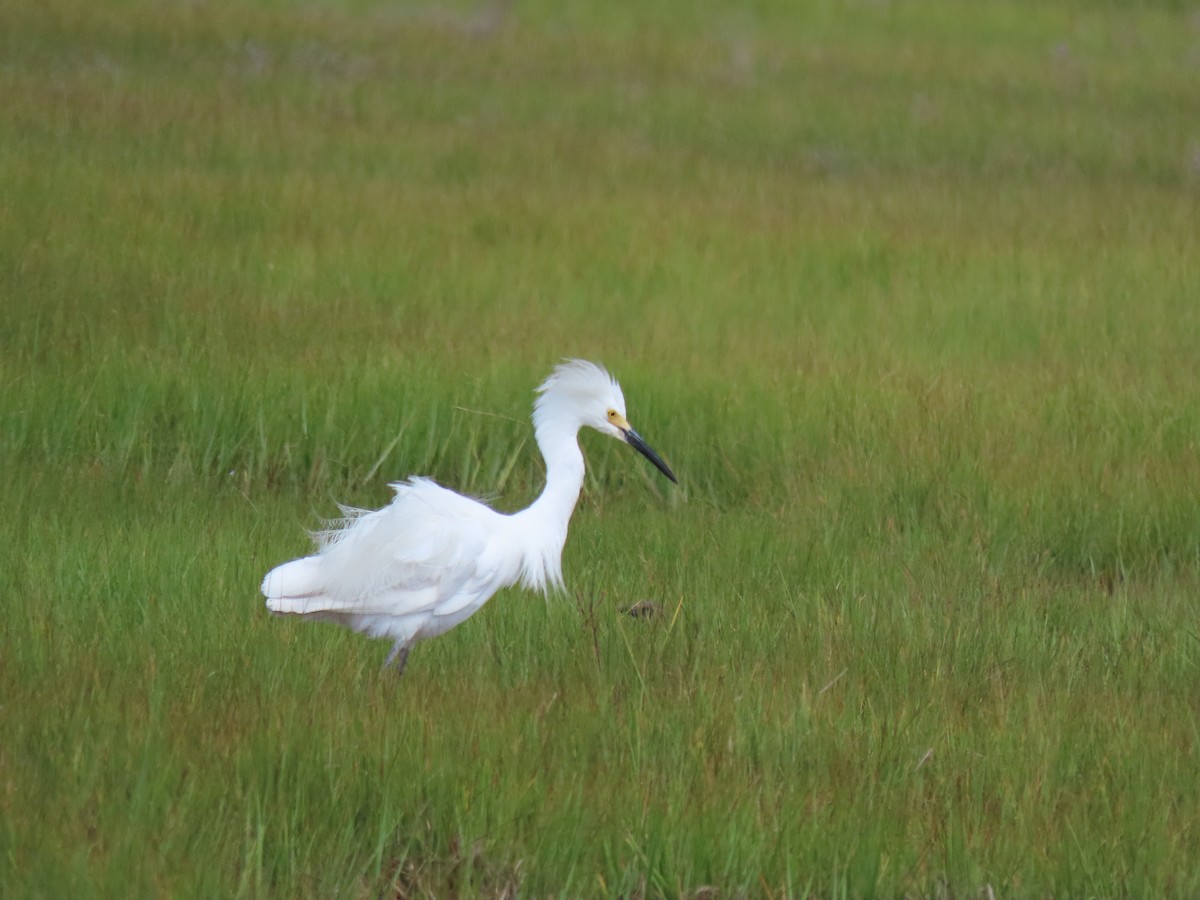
x=574, y=385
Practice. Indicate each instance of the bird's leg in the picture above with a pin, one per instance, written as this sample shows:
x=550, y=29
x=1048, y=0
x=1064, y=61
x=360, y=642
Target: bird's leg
x=398, y=655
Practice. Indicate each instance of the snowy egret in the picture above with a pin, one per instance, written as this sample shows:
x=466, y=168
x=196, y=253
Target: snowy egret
x=432, y=558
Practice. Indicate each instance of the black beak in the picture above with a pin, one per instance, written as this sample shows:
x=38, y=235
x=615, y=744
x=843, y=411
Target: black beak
x=635, y=440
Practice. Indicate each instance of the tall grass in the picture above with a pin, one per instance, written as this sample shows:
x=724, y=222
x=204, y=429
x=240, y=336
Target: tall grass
x=906, y=294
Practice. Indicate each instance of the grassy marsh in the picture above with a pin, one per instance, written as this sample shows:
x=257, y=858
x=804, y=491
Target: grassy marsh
x=907, y=294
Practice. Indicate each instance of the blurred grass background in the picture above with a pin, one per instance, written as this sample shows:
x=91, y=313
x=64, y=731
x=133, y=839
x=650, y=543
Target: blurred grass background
x=907, y=293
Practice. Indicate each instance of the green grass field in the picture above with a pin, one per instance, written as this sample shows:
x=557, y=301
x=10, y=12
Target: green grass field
x=908, y=294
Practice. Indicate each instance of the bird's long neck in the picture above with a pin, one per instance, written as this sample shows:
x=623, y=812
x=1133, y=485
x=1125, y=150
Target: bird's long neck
x=547, y=518
x=564, y=475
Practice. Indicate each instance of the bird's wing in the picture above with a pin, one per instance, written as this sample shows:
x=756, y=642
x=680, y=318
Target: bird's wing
x=426, y=551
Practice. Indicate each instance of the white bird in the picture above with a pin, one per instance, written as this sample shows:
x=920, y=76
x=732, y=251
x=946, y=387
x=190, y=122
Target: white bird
x=432, y=558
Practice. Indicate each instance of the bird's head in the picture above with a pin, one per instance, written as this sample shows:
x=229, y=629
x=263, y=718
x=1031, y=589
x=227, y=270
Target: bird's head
x=581, y=393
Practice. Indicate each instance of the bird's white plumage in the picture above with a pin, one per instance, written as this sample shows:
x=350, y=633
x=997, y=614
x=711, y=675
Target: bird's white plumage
x=432, y=557
x=405, y=571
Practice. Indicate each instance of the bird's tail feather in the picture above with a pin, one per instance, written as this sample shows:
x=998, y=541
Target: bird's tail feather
x=299, y=580
x=300, y=587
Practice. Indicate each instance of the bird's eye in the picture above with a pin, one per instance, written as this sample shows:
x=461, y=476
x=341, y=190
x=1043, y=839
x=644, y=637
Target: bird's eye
x=612, y=413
